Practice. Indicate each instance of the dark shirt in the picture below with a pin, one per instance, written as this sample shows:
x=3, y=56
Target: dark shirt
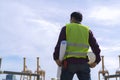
x=92, y=42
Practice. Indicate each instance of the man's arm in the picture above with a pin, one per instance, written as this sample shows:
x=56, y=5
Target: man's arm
x=62, y=36
x=94, y=46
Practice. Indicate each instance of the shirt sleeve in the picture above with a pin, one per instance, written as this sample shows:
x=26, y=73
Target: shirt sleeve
x=94, y=46
x=62, y=36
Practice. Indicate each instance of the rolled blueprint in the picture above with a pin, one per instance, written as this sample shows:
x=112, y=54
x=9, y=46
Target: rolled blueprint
x=61, y=55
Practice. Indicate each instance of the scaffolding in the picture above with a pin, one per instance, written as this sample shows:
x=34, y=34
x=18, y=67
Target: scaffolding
x=21, y=73
x=104, y=71
x=26, y=74
x=116, y=75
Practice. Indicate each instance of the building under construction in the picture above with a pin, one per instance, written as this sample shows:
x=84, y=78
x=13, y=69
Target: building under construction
x=39, y=74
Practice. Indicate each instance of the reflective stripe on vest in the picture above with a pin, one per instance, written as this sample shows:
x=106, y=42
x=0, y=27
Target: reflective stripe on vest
x=77, y=45
x=76, y=54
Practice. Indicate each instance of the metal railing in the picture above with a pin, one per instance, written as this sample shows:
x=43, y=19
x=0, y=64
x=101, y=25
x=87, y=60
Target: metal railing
x=111, y=76
x=20, y=73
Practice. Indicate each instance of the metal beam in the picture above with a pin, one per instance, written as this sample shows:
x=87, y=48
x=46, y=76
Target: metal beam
x=112, y=76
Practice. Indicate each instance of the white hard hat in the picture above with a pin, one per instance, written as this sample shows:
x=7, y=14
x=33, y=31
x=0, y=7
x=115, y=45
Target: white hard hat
x=91, y=57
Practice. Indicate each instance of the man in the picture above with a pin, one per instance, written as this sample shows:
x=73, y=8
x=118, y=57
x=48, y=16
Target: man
x=79, y=38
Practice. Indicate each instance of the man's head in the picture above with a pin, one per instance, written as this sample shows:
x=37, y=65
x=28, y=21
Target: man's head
x=76, y=17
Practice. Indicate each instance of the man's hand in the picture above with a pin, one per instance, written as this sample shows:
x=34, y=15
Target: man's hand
x=58, y=62
x=92, y=65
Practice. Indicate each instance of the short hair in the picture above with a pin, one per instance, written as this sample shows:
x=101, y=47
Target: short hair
x=77, y=15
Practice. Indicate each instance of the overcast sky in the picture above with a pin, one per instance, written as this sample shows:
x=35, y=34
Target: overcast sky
x=30, y=28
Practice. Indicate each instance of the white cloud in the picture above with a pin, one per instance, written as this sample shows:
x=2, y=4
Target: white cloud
x=24, y=32
x=112, y=61
x=108, y=15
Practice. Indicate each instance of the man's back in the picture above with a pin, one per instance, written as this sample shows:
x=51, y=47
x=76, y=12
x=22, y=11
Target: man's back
x=78, y=38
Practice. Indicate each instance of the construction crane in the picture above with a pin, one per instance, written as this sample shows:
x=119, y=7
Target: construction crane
x=39, y=71
x=25, y=70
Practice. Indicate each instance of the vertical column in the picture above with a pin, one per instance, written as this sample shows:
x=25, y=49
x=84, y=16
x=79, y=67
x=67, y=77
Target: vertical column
x=119, y=61
x=38, y=65
x=0, y=65
x=24, y=64
x=103, y=71
x=118, y=70
x=0, y=62
x=38, y=77
x=103, y=65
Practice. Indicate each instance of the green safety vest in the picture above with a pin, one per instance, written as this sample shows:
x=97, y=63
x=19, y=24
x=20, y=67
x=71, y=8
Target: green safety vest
x=77, y=36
